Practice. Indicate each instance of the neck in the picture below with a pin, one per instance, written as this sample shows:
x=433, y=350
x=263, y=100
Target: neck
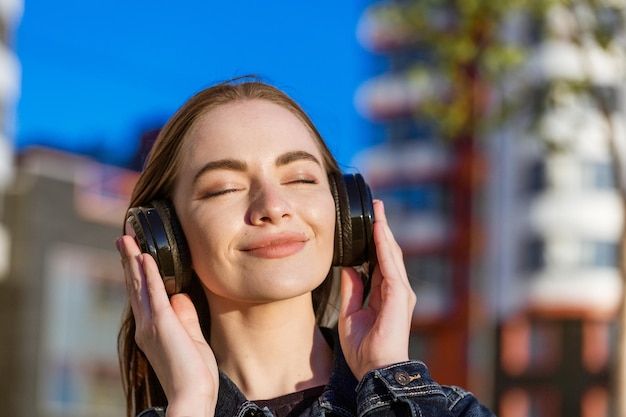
x=271, y=349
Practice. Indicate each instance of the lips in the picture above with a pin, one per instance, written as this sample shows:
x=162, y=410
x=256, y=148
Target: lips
x=276, y=246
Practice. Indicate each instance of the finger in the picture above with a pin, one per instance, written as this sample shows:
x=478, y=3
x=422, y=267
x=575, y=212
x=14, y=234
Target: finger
x=157, y=294
x=187, y=315
x=385, y=237
x=391, y=267
x=351, y=292
x=375, y=295
x=125, y=258
x=134, y=276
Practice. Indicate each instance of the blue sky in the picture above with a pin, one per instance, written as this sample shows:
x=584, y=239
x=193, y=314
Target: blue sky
x=97, y=72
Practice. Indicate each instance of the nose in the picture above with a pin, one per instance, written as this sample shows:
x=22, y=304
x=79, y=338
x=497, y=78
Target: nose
x=268, y=204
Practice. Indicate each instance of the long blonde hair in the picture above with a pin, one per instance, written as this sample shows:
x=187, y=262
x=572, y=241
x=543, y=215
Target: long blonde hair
x=156, y=182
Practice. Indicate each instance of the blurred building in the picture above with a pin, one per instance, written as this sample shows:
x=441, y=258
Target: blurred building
x=558, y=218
x=10, y=14
x=555, y=254
x=524, y=318
x=431, y=187
x=62, y=298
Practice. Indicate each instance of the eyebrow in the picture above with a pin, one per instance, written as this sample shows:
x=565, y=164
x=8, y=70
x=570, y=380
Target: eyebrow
x=227, y=164
x=240, y=166
x=289, y=157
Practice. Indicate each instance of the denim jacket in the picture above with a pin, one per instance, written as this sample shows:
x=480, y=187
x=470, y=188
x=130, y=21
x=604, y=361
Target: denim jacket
x=403, y=389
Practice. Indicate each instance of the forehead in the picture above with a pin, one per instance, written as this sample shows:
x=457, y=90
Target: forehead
x=248, y=125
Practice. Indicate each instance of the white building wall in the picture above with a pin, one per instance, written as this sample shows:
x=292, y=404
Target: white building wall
x=10, y=80
x=561, y=239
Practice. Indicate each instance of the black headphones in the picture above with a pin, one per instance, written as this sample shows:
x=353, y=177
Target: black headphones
x=157, y=231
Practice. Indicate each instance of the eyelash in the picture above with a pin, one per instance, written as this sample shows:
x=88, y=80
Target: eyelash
x=304, y=181
x=219, y=193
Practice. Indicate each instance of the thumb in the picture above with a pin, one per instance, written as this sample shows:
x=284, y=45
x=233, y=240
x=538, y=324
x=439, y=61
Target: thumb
x=351, y=292
x=187, y=315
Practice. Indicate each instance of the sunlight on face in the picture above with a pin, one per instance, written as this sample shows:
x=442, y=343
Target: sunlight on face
x=254, y=202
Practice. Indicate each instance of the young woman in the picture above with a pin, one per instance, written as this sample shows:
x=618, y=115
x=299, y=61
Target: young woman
x=247, y=174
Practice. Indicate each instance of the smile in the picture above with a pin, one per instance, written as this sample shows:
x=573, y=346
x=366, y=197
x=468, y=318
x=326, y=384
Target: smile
x=276, y=246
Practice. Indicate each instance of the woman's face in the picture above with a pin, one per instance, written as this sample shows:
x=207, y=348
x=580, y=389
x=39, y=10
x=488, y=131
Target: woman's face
x=254, y=202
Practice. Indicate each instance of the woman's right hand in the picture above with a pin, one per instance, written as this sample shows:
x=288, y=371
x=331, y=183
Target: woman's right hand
x=168, y=332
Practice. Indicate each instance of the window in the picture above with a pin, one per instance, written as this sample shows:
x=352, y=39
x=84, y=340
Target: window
x=598, y=176
x=533, y=257
x=600, y=254
x=536, y=177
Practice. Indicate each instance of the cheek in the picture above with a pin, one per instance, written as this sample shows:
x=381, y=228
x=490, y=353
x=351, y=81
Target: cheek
x=205, y=238
x=327, y=219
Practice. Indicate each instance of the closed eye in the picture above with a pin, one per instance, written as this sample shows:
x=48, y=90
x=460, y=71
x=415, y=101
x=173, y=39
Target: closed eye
x=302, y=181
x=218, y=193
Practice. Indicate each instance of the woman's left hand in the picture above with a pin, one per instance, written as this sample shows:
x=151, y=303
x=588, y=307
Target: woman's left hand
x=377, y=335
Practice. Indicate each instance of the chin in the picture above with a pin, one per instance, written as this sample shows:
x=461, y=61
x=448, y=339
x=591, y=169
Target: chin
x=267, y=281
x=287, y=284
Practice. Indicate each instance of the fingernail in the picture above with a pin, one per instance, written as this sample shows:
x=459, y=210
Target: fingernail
x=119, y=244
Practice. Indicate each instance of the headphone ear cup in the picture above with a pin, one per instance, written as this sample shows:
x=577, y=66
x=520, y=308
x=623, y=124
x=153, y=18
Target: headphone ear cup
x=157, y=231
x=179, y=254
x=354, y=243
x=343, y=224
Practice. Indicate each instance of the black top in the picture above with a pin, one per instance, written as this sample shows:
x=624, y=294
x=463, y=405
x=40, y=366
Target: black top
x=292, y=404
